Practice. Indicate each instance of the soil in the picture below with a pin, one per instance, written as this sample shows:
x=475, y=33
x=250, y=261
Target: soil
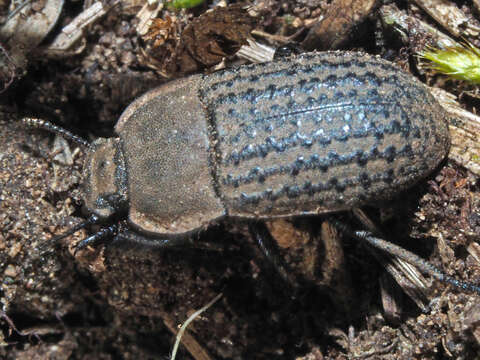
x=127, y=302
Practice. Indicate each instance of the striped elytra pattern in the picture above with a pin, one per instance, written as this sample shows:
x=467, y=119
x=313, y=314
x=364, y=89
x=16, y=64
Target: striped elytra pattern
x=319, y=132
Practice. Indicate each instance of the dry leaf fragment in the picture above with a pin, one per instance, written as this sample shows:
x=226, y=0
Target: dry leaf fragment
x=209, y=39
x=160, y=31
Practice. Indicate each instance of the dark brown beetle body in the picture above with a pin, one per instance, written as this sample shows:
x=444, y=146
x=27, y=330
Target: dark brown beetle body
x=317, y=133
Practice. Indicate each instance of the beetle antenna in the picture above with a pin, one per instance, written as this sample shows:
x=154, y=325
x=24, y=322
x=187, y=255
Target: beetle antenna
x=47, y=125
x=423, y=265
x=93, y=219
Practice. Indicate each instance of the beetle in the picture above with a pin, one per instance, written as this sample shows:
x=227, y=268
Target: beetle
x=310, y=134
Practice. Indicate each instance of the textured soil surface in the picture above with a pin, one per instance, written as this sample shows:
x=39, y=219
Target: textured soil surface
x=127, y=302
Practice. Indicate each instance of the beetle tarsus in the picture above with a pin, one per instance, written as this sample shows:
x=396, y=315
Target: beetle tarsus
x=93, y=219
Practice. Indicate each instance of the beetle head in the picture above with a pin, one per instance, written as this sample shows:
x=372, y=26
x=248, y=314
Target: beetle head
x=105, y=179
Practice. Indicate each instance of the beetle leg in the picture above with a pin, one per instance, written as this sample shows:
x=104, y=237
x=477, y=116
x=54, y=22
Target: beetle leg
x=123, y=235
x=127, y=236
x=423, y=265
x=97, y=238
x=93, y=219
x=287, y=50
x=266, y=243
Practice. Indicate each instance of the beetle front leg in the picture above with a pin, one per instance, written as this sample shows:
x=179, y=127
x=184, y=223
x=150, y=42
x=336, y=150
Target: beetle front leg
x=120, y=234
x=94, y=240
x=126, y=236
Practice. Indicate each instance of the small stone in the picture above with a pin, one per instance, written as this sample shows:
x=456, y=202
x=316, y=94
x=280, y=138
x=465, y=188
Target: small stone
x=10, y=271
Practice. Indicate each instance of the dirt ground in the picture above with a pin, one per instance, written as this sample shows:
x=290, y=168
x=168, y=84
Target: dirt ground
x=125, y=302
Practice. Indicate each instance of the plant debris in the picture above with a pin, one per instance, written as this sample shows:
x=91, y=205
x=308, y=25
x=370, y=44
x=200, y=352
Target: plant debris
x=460, y=62
x=205, y=42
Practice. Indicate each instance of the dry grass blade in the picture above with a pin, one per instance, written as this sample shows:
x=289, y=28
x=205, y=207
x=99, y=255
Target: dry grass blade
x=447, y=14
x=256, y=52
x=189, y=320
